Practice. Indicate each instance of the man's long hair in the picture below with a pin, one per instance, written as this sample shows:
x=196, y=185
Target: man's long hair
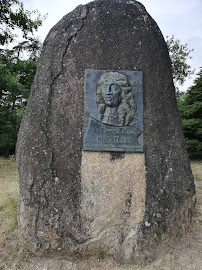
x=127, y=109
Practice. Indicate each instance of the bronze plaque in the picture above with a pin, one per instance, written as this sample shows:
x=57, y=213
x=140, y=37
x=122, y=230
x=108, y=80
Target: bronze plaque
x=113, y=111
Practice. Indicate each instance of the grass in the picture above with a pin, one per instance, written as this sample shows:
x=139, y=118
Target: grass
x=101, y=255
x=9, y=193
x=196, y=167
x=197, y=172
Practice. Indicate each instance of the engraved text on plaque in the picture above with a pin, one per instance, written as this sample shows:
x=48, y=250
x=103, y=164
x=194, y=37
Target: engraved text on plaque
x=113, y=115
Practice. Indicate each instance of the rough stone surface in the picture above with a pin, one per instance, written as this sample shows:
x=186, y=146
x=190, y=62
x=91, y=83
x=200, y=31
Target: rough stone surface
x=56, y=195
x=113, y=201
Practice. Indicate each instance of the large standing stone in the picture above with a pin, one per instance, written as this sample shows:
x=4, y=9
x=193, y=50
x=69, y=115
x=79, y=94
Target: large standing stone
x=129, y=205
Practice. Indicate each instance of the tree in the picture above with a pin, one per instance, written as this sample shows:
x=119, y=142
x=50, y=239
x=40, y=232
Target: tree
x=190, y=102
x=179, y=55
x=16, y=73
x=13, y=16
x=31, y=45
x=16, y=77
x=190, y=108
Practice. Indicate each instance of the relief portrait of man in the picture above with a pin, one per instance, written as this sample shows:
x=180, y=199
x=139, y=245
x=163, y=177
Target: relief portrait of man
x=115, y=101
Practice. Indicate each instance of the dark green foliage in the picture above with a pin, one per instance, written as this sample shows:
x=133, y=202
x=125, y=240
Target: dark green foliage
x=190, y=108
x=16, y=73
x=16, y=77
x=14, y=16
x=179, y=54
x=189, y=103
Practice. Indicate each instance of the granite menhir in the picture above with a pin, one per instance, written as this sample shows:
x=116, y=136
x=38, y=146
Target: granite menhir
x=128, y=205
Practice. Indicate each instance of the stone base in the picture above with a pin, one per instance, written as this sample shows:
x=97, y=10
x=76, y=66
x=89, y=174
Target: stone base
x=113, y=200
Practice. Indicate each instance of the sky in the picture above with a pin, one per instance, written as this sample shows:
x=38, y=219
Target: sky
x=181, y=18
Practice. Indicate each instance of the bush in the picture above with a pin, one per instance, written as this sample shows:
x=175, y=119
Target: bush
x=190, y=108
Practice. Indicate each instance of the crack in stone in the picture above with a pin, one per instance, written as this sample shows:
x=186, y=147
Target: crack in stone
x=35, y=228
x=44, y=128
x=32, y=187
x=54, y=80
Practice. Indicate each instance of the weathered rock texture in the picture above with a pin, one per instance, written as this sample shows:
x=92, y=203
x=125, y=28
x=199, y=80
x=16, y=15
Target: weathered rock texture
x=130, y=206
